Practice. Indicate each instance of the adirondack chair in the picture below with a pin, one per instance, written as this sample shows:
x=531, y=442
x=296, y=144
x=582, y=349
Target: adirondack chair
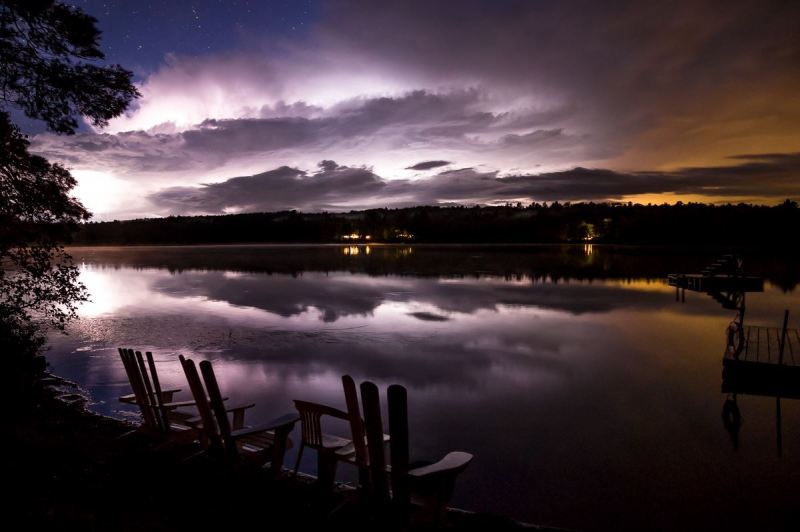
x=159, y=416
x=431, y=485
x=231, y=439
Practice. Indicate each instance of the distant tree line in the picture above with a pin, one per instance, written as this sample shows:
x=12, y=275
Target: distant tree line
x=618, y=223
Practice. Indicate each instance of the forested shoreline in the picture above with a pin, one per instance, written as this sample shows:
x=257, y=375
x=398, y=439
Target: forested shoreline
x=693, y=224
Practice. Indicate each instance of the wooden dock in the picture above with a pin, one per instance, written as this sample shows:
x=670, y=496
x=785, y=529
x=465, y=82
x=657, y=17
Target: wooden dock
x=762, y=367
x=726, y=274
x=699, y=282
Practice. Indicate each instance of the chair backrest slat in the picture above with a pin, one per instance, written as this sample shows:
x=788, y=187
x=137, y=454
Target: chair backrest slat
x=210, y=429
x=139, y=390
x=218, y=407
x=310, y=424
x=151, y=396
x=164, y=414
x=399, y=452
x=356, y=430
x=374, y=428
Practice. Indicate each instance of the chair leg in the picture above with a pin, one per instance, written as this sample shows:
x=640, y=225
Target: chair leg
x=299, y=456
x=326, y=470
x=279, y=446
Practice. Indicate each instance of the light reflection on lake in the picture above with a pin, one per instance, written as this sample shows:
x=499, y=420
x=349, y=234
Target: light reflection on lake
x=590, y=397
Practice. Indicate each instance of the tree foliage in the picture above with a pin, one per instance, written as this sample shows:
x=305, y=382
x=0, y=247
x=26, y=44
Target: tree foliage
x=694, y=224
x=51, y=70
x=36, y=216
x=48, y=52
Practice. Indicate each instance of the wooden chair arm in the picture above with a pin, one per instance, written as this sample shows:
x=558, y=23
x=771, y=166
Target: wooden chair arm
x=350, y=448
x=238, y=414
x=130, y=398
x=238, y=406
x=179, y=404
x=452, y=464
x=285, y=422
x=166, y=396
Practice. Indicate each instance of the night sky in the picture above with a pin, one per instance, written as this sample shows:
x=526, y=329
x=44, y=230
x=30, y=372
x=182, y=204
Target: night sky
x=271, y=105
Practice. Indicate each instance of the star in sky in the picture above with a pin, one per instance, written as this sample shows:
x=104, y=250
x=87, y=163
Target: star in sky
x=139, y=34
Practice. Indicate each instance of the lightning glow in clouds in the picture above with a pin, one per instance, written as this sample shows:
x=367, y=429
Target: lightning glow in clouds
x=523, y=100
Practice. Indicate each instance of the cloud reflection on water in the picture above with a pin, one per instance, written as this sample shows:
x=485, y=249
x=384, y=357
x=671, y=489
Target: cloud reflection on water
x=608, y=386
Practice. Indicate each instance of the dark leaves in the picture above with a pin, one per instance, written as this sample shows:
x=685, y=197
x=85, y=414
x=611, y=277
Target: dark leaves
x=37, y=214
x=44, y=49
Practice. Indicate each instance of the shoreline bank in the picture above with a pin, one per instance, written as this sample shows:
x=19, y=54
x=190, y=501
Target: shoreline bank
x=74, y=469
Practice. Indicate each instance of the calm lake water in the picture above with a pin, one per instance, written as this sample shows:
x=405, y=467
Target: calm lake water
x=588, y=394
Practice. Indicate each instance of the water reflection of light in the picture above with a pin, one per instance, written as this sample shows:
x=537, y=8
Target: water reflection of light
x=588, y=249
x=648, y=285
x=356, y=250
x=102, y=288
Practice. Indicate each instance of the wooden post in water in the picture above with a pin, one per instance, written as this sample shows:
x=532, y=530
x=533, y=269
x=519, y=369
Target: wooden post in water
x=374, y=428
x=781, y=347
x=778, y=430
x=398, y=429
x=783, y=336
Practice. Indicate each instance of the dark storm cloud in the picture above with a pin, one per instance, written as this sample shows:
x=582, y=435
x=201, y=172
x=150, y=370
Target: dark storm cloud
x=341, y=187
x=624, y=68
x=635, y=48
x=427, y=165
x=286, y=187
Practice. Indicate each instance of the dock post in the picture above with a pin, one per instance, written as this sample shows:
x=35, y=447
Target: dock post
x=778, y=427
x=783, y=336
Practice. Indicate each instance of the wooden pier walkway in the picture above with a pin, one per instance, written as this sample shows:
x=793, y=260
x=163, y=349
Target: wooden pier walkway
x=763, y=344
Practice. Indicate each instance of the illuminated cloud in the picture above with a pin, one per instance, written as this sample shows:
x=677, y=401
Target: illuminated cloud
x=359, y=130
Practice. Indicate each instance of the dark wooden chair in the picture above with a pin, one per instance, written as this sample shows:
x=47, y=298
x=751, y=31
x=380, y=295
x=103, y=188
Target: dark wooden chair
x=159, y=416
x=428, y=485
x=330, y=449
x=231, y=439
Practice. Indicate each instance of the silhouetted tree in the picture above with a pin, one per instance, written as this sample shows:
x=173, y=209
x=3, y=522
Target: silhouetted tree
x=46, y=49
